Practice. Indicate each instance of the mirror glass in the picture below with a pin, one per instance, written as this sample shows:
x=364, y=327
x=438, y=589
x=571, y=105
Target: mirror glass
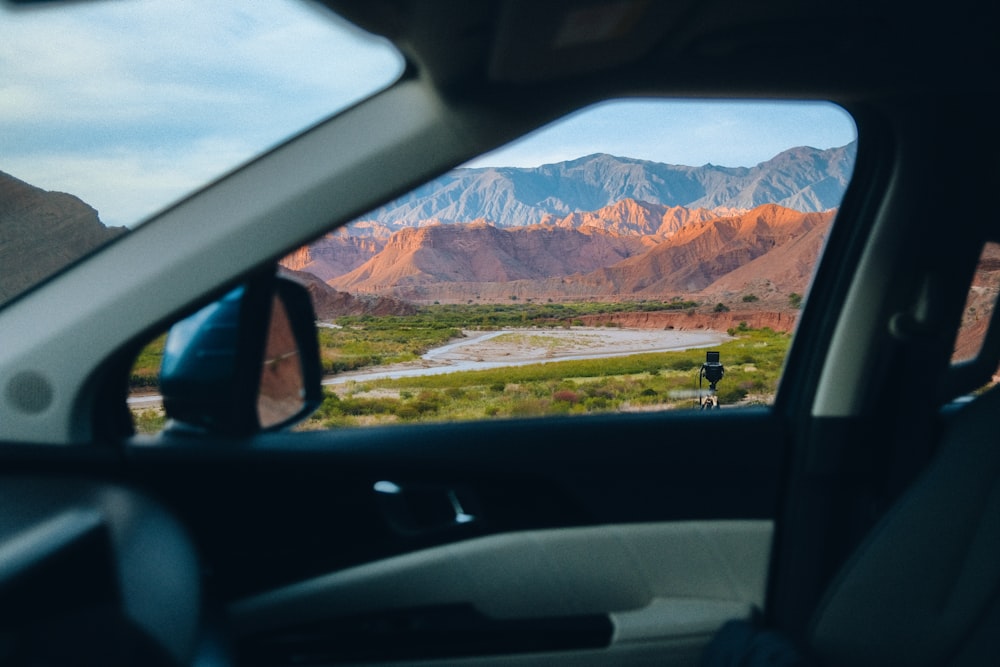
x=282, y=384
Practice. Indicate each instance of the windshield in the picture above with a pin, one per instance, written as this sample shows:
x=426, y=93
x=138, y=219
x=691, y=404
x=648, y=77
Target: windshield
x=111, y=111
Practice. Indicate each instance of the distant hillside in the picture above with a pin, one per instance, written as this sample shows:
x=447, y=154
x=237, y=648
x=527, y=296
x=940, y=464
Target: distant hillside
x=334, y=254
x=803, y=179
x=329, y=303
x=767, y=245
x=41, y=232
x=770, y=250
x=479, y=252
x=629, y=217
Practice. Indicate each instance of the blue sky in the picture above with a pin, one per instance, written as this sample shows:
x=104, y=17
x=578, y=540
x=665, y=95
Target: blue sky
x=132, y=105
x=692, y=133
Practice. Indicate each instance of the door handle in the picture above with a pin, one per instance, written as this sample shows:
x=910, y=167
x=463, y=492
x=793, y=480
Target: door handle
x=415, y=509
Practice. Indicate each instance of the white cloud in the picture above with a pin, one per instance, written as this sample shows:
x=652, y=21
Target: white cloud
x=132, y=104
x=127, y=187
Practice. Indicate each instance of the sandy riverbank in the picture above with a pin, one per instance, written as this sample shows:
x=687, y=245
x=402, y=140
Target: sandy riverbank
x=545, y=344
x=510, y=347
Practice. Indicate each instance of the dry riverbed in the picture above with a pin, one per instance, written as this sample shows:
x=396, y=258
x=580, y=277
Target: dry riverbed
x=510, y=347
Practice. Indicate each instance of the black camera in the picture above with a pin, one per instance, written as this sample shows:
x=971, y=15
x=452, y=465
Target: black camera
x=712, y=369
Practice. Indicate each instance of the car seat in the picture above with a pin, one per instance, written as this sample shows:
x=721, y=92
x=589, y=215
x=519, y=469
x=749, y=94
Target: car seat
x=923, y=588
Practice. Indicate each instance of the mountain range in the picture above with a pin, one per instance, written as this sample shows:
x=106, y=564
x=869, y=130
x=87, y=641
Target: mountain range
x=803, y=179
x=770, y=250
x=596, y=227
x=599, y=226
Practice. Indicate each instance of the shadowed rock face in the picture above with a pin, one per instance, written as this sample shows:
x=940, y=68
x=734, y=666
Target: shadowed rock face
x=41, y=232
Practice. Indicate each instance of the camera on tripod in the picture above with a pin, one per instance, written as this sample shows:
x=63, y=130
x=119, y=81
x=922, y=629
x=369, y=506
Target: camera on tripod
x=713, y=371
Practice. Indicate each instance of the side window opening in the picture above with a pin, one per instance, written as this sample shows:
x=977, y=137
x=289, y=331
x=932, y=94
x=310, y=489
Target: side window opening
x=576, y=286
x=974, y=364
x=979, y=304
x=587, y=281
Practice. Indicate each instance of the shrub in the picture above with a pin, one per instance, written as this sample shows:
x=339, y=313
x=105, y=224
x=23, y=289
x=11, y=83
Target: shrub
x=721, y=308
x=731, y=395
x=149, y=421
x=329, y=407
x=407, y=412
x=566, y=396
x=681, y=364
x=530, y=407
x=750, y=298
x=795, y=300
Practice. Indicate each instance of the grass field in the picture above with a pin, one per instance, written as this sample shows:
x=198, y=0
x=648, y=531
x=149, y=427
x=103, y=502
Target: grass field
x=649, y=381
x=657, y=381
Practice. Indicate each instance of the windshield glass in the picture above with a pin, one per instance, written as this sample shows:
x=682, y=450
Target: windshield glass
x=111, y=111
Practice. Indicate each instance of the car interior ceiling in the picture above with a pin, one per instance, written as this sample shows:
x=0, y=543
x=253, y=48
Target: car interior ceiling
x=888, y=522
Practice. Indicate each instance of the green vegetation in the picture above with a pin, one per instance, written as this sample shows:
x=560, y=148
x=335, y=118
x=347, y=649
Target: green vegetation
x=614, y=384
x=721, y=308
x=146, y=369
x=148, y=420
x=662, y=380
x=500, y=315
x=376, y=341
x=750, y=298
x=795, y=300
x=366, y=340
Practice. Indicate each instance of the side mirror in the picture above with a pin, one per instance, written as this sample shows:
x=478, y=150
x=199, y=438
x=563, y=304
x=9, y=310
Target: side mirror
x=247, y=363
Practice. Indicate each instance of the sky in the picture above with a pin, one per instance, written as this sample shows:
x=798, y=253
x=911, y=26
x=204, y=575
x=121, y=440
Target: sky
x=132, y=105
x=691, y=133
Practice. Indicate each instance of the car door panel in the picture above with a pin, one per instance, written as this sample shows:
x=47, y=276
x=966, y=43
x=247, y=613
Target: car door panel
x=306, y=501
x=656, y=583
x=655, y=527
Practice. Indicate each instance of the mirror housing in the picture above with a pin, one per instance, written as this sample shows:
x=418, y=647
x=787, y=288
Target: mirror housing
x=246, y=363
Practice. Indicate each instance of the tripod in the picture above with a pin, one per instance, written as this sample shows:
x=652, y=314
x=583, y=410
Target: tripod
x=713, y=371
